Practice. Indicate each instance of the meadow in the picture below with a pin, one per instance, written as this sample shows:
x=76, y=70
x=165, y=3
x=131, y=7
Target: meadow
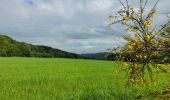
x=69, y=79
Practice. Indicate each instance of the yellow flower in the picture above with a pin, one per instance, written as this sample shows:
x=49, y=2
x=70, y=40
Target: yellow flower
x=156, y=43
x=131, y=29
x=155, y=53
x=147, y=23
x=164, y=40
x=126, y=18
x=147, y=37
x=152, y=13
x=132, y=10
x=138, y=42
x=129, y=47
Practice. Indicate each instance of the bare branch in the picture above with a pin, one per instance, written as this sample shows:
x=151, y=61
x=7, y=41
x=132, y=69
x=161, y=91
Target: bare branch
x=156, y=4
x=146, y=2
x=164, y=26
x=153, y=8
x=127, y=3
x=141, y=11
x=122, y=4
x=128, y=8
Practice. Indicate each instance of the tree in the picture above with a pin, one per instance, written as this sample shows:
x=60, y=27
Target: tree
x=144, y=45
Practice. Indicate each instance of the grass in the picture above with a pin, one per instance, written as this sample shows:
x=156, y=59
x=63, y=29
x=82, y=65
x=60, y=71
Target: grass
x=67, y=79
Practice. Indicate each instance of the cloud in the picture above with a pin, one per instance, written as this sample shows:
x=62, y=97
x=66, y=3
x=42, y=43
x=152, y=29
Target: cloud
x=73, y=25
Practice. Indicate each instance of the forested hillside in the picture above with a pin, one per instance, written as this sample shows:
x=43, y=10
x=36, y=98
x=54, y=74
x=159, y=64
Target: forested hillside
x=10, y=48
x=101, y=56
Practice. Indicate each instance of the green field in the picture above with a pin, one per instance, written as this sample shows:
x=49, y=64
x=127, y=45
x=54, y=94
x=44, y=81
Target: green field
x=68, y=79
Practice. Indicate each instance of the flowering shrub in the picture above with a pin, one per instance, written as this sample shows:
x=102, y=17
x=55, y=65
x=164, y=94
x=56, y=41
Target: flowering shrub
x=145, y=46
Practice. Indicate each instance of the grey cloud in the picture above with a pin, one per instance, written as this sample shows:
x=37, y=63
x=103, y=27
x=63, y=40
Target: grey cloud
x=73, y=25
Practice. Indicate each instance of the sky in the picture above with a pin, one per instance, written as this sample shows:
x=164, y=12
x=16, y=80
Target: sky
x=78, y=26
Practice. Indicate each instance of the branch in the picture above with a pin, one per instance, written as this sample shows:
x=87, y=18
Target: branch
x=156, y=4
x=122, y=4
x=128, y=7
x=164, y=26
x=141, y=11
x=146, y=2
x=153, y=8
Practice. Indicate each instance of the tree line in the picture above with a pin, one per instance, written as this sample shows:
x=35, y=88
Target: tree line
x=11, y=48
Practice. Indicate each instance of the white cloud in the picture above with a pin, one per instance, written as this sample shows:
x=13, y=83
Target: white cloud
x=102, y=5
x=71, y=25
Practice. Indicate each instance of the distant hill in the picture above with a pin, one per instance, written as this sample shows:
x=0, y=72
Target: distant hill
x=10, y=48
x=95, y=55
x=102, y=56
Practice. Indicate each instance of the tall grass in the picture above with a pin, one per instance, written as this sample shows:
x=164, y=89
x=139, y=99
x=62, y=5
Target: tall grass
x=67, y=79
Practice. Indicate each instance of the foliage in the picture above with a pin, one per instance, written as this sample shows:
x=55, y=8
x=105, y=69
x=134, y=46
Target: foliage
x=166, y=50
x=144, y=45
x=10, y=48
